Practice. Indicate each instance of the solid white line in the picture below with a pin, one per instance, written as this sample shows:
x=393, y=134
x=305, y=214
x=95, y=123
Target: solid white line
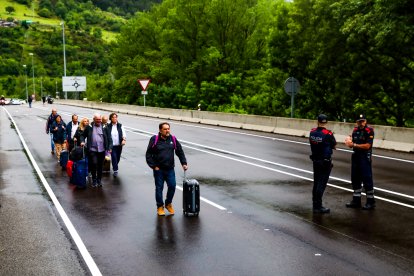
x=93, y=268
x=282, y=165
x=288, y=141
x=298, y=176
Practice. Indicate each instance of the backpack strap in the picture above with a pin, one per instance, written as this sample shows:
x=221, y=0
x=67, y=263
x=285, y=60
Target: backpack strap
x=174, y=140
x=155, y=141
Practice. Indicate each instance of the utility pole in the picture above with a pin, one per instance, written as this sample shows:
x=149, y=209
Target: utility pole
x=34, y=86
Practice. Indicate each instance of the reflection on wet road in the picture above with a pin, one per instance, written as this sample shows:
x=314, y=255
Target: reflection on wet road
x=267, y=226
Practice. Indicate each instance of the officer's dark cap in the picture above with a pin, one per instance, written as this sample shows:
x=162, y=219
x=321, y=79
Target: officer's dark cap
x=361, y=117
x=322, y=118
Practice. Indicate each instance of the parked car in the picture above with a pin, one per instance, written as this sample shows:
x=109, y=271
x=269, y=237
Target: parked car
x=17, y=102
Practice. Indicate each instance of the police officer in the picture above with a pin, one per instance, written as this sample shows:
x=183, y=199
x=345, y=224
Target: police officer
x=322, y=142
x=361, y=171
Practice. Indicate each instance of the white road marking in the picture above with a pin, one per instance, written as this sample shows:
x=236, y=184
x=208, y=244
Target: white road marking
x=267, y=137
x=282, y=140
x=277, y=164
x=93, y=268
x=206, y=200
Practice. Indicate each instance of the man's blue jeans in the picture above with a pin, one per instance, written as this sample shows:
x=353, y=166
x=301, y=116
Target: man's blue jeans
x=168, y=176
x=52, y=144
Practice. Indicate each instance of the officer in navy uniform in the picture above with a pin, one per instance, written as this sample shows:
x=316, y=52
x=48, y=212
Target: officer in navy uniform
x=361, y=142
x=322, y=142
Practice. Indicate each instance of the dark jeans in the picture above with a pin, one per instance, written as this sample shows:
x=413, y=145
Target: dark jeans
x=168, y=176
x=321, y=171
x=361, y=172
x=116, y=156
x=95, y=162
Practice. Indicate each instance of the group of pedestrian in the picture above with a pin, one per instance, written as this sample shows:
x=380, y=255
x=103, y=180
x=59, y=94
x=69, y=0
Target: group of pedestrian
x=97, y=138
x=322, y=143
x=105, y=135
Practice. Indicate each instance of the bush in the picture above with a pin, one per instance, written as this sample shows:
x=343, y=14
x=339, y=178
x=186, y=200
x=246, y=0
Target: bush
x=45, y=13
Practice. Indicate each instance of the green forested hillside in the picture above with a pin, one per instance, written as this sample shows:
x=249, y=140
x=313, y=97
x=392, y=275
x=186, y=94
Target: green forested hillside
x=350, y=56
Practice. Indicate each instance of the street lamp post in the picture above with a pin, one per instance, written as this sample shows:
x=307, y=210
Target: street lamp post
x=34, y=87
x=64, y=53
x=25, y=72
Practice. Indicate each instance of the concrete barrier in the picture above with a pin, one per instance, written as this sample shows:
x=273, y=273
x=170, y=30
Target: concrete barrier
x=386, y=137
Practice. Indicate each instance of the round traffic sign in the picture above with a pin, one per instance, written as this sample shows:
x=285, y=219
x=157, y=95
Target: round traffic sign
x=292, y=86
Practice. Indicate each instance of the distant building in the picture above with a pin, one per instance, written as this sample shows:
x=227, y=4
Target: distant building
x=7, y=24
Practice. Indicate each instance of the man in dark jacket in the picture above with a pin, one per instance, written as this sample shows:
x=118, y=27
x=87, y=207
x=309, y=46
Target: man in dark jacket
x=98, y=141
x=50, y=120
x=322, y=142
x=361, y=142
x=30, y=100
x=71, y=131
x=160, y=158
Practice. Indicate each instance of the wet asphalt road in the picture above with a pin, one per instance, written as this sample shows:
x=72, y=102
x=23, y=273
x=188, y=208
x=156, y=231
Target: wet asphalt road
x=262, y=181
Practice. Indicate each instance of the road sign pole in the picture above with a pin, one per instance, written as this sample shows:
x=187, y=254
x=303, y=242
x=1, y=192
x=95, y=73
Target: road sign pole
x=292, y=87
x=144, y=85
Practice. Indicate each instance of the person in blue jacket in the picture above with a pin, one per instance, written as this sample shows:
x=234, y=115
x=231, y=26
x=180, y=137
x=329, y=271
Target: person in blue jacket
x=58, y=130
x=322, y=143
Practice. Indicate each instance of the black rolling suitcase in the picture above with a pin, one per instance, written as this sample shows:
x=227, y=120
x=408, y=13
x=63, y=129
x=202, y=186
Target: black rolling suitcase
x=191, y=197
x=64, y=157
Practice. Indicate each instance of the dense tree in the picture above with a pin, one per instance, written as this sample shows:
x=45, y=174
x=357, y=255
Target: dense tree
x=10, y=9
x=350, y=56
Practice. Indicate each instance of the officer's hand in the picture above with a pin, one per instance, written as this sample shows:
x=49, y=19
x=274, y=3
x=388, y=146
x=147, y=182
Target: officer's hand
x=156, y=169
x=82, y=144
x=348, y=142
x=185, y=167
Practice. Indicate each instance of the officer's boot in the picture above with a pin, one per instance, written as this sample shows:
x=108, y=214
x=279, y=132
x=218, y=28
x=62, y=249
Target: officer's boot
x=370, y=201
x=354, y=203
